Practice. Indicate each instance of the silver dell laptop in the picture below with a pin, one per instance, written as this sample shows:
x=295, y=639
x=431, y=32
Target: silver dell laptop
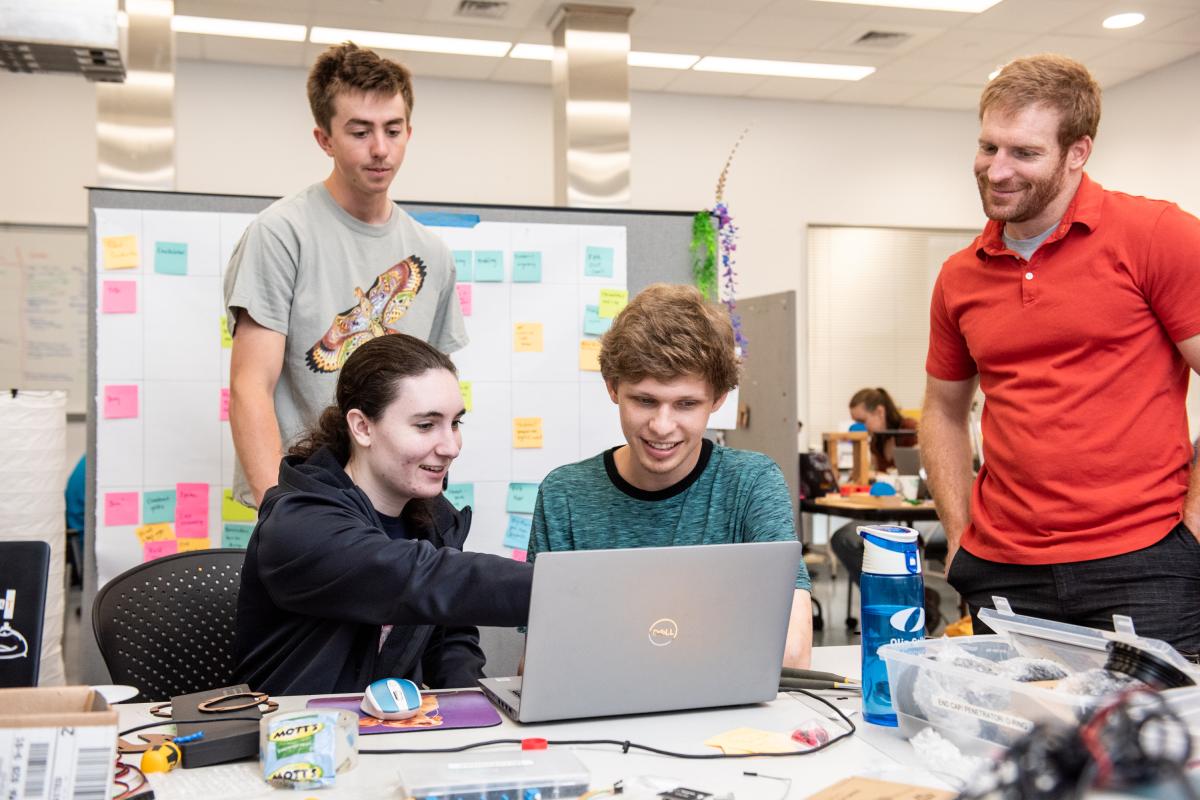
x=652, y=629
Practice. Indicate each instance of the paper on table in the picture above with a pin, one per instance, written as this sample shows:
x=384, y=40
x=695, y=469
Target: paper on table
x=752, y=740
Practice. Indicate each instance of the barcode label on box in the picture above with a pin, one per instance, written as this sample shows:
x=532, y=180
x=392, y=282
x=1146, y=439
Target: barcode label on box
x=57, y=763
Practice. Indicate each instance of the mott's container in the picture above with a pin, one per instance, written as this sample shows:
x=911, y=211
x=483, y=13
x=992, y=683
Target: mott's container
x=893, y=609
x=307, y=749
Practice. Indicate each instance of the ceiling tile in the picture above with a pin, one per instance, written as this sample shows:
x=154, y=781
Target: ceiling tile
x=816, y=10
x=917, y=37
x=794, y=89
x=752, y=6
x=786, y=32
x=520, y=13
x=1146, y=55
x=1015, y=16
x=922, y=69
x=519, y=70
x=689, y=82
x=1184, y=30
x=964, y=44
x=1159, y=17
x=1080, y=48
x=958, y=98
x=878, y=93
x=701, y=26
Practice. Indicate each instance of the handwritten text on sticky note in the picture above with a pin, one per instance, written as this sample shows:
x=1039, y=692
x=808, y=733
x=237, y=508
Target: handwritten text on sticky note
x=191, y=509
x=593, y=323
x=489, y=266
x=120, y=401
x=527, y=337
x=464, y=297
x=158, y=532
x=120, y=252
x=233, y=511
x=612, y=301
x=171, y=258
x=527, y=266
x=521, y=497
x=463, y=263
x=517, y=535
x=158, y=506
x=236, y=534
x=226, y=338
x=121, y=508
x=223, y=408
x=464, y=388
x=460, y=495
x=118, y=297
x=598, y=262
x=589, y=355
x=527, y=432
x=153, y=550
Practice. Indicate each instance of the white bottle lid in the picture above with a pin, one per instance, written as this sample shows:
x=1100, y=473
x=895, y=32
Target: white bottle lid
x=890, y=550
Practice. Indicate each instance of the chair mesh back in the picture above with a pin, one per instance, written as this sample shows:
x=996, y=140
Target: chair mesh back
x=166, y=626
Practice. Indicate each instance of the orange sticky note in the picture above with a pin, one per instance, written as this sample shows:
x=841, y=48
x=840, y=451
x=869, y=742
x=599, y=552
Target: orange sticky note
x=120, y=401
x=224, y=414
x=195, y=543
x=120, y=252
x=158, y=532
x=527, y=432
x=589, y=355
x=527, y=337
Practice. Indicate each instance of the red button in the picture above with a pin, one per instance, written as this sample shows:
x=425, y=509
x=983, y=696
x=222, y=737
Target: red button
x=534, y=744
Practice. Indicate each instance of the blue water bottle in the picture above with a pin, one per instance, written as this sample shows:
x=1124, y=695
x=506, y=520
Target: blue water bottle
x=893, y=609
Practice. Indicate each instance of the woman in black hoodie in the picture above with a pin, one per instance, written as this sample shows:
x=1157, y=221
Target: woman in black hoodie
x=355, y=570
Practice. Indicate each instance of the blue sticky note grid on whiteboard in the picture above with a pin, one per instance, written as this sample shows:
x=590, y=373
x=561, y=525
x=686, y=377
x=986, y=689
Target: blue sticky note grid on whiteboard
x=464, y=262
x=593, y=323
x=170, y=258
x=521, y=497
x=527, y=267
x=460, y=495
x=517, y=535
x=489, y=266
x=598, y=262
x=236, y=534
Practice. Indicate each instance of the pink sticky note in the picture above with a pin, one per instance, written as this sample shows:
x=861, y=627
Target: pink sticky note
x=464, y=297
x=519, y=555
x=191, y=509
x=153, y=550
x=191, y=495
x=121, y=508
x=121, y=401
x=119, y=297
x=224, y=405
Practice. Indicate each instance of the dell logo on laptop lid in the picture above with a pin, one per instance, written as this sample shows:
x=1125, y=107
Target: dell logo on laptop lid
x=663, y=632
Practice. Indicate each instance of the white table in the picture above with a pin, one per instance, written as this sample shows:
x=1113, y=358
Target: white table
x=870, y=750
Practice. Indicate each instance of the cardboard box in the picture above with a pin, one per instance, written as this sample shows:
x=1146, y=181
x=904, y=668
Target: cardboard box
x=56, y=743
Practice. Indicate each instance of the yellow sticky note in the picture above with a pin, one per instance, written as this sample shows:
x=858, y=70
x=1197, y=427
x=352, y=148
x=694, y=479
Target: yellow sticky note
x=752, y=740
x=120, y=252
x=226, y=339
x=158, y=532
x=527, y=432
x=464, y=388
x=589, y=355
x=193, y=543
x=612, y=301
x=233, y=511
x=527, y=337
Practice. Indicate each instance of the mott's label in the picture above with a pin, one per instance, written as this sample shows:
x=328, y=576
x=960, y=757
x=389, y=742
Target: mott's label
x=291, y=732
x=307, y=749
x=300, y=772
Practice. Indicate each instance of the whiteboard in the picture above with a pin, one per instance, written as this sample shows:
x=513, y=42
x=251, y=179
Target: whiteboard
x=162, y=451
x=43, y=310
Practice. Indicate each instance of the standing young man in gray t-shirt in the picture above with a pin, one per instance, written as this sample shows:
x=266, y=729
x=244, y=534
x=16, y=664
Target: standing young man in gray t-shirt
x=324, y=270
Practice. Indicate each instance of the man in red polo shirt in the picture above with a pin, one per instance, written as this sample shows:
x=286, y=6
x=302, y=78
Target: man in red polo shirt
x=1077, y=311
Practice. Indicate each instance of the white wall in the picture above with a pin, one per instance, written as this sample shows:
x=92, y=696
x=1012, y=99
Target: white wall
x=246, y=130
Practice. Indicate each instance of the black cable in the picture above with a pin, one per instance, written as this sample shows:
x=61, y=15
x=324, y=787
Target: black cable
x=204, y=721
x=627, y=745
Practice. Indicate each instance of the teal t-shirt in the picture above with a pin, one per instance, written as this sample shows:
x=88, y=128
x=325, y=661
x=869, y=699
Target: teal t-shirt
x=730, y=496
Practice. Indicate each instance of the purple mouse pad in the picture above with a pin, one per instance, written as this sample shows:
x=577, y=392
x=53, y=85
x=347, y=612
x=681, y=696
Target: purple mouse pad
x=441, y=711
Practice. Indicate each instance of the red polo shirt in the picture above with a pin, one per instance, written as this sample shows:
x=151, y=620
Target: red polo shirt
x=1086, y=451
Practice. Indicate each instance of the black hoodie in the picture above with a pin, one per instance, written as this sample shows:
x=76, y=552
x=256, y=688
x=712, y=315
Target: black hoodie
x=322, y=576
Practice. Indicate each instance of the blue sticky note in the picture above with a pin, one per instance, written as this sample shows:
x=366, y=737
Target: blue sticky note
x=527, y=267
x=593, y=323
x=460, y=495
x=236, y=534
x=463, y=263
x=170, y=258
x=521, y=497
x=158, y=506
x=598, y=262
x=517, y=535
x=489, y=266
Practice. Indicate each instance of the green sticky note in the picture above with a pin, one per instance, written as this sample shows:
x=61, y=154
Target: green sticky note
x=463, y=263
x=236, y=534
x=527, y=267
x=489, y=266
x=460, y=495
x=233, y=511
x=612, y=301
x=521, y=497
x=593, y=323
x=598, y=262
x=158, y=506
x=170, y=258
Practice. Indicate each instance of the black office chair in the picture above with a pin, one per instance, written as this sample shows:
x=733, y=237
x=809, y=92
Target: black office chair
x=166, y=626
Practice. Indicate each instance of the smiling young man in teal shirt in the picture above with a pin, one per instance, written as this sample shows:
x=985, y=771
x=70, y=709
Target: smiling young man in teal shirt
x=669, y=361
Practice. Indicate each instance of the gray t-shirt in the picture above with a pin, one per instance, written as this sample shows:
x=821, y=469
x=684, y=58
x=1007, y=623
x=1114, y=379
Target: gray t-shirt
x=1025, y=248
x=327, y=281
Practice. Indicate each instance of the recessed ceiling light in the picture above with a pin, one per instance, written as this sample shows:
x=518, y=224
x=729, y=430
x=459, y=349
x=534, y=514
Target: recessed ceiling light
x=662, y=60
x=964, y=6
x=785, y=69
x=411, y=42
x=241, y=28
x=532, y=52
x=1117, y=21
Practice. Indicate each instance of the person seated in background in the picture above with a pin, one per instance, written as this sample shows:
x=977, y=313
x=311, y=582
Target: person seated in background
x=355, y=570
x=668, y=362
x=877, y=412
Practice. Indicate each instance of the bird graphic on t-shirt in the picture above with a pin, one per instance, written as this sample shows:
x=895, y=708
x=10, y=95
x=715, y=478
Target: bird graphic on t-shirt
x=372, y=315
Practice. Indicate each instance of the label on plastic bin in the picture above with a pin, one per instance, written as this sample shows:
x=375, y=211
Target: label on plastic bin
x=1011, y=721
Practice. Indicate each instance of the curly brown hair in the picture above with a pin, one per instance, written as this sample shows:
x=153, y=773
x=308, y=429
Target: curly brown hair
x=349, y=68
x=668, y=332
x=1054, y=81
